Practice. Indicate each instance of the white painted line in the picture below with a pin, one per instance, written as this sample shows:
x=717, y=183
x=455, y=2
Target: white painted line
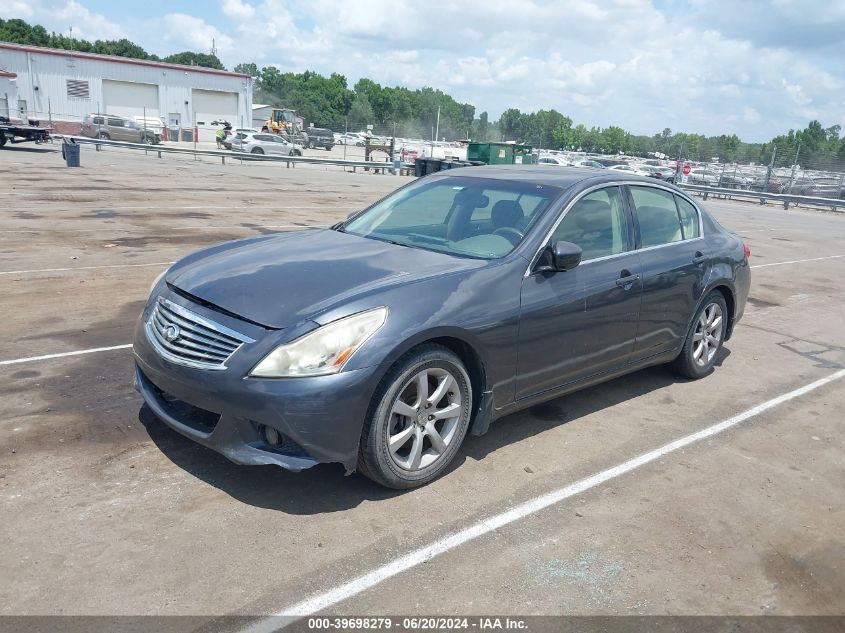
x=797, y=261
x=79, y=352
x=61, y=270
x=419, y=556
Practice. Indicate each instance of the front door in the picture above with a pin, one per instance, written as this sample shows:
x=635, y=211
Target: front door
x=582, y=322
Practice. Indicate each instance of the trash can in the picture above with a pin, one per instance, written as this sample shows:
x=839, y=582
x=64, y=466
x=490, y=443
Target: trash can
x=70, y=151
x=432, y=165
x=522, y=154
x=419, y=167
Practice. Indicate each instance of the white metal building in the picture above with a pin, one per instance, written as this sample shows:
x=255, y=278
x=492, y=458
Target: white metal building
x=61, y=87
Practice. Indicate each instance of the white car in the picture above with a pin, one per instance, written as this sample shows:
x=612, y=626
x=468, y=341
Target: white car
x=629, y=169
x=264, y=143
x=548, y=159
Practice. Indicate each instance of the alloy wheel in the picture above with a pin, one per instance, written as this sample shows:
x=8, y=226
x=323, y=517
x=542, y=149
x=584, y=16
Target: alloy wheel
x=424, y=419
x=708, y=335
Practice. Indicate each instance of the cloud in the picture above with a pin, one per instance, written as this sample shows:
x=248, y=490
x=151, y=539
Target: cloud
x=237, y=10
x=712, y=66
x=61, y=16
x=182, y=31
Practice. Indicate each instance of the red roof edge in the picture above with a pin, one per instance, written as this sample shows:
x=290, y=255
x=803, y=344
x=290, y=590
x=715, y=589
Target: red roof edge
x=6, y=73
x=119, y=60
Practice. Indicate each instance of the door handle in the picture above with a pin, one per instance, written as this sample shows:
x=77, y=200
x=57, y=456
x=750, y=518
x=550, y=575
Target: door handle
x=698, y=257
x=626, y=279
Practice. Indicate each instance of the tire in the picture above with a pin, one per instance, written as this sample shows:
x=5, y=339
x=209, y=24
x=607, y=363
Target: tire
x=296, y=152
x=148, y=140
x=415, y=460
x=104, y=136
x=697, y=357
x=256, y=150
x=311, y=145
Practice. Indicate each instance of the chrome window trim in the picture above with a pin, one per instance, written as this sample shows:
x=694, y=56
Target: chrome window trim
x=618, y=183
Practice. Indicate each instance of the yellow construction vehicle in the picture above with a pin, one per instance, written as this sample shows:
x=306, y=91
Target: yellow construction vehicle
x=284, y=120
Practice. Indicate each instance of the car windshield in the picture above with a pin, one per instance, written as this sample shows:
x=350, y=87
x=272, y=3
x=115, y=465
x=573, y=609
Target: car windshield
x=466, y=217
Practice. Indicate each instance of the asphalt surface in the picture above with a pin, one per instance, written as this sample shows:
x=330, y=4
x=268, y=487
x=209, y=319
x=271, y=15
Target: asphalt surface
x=108, y=512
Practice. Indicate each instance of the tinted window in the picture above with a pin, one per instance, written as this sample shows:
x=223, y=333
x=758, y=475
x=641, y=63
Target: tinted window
x=597, y=224
x=657, y=216
x=689, y=218
x=115, y=122
x=98, y=120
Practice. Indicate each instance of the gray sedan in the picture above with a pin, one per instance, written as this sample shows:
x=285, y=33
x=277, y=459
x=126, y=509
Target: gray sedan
x=264, y=143
x=382, y=342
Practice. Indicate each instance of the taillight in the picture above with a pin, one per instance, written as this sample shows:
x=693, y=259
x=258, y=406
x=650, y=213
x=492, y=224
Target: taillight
x=746, y=250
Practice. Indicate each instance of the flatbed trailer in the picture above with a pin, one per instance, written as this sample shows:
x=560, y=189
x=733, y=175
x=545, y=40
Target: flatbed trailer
x=21, y=133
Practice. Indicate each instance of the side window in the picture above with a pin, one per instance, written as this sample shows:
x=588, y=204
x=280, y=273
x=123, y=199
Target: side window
x=98, y=120
x=115, y=122
x=689, y=219
x=657, y=216
x=597, y=223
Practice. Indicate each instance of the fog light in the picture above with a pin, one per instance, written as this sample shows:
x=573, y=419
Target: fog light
x=272, y=436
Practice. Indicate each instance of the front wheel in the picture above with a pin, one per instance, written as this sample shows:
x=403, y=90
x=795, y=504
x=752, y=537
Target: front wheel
x=704, y=339
x=256, y=150
x=422, y=412
x=296, y=152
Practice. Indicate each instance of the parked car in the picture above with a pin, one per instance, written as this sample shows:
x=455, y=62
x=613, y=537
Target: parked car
x=819, y=187
x=589, y=163
x=230, y=135
x=352, y=138
x=774, y=184
x=264, y=143
x=117, y=128
x=703, y=177
x=734, y=180
x=661, y=173
x=380, y=343
x=547, y=159
x=628, y=168
x=320, y=137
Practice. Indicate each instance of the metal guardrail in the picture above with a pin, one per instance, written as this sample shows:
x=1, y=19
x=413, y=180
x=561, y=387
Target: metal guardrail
x=241, y=156
x=764, y=197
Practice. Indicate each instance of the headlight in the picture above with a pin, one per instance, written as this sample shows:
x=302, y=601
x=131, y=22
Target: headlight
x=323, y=351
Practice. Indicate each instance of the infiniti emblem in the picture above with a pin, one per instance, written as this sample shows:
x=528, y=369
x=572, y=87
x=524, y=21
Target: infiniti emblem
x=172, y=332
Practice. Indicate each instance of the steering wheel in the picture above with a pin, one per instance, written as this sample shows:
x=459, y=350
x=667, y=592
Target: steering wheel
x=514, y=236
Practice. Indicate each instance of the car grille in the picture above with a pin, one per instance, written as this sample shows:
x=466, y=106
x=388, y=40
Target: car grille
x=184, y=337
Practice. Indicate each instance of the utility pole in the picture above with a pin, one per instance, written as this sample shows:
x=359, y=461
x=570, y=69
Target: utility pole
x=771, y=167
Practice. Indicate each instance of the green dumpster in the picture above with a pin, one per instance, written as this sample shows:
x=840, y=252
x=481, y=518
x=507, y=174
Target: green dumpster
x=500, y=153
x=522, y=154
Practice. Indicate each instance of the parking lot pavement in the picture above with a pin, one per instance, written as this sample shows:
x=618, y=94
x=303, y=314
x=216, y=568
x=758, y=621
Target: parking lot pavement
x=103, y=500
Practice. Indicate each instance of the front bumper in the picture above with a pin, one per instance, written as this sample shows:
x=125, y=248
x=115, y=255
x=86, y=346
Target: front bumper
x=321, y=418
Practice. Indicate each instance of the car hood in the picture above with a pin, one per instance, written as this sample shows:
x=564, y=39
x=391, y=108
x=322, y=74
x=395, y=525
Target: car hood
x=281, y=280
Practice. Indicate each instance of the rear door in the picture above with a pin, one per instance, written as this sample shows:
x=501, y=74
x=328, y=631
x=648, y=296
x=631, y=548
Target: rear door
x=582, y=322
x=675, y=266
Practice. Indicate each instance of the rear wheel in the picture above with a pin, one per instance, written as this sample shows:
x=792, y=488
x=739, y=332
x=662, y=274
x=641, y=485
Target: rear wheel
x=104, y=135
x=256, y=150
x=421, y=415
x=704, y=339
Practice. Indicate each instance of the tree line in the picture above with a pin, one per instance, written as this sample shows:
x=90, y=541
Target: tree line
x=330, y=102
x=18, y=31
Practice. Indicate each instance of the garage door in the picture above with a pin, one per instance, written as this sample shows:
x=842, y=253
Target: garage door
x=130, y=99
x=213, y=105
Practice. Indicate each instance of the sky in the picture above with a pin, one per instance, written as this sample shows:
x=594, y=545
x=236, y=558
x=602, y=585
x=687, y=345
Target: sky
x=745, y=67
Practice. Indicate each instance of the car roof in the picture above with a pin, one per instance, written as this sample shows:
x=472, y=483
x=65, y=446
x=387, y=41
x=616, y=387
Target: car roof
x=554, y=176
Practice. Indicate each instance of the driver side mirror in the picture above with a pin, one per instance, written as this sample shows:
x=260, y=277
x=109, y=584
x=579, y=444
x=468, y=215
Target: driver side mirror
x=559, y=257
